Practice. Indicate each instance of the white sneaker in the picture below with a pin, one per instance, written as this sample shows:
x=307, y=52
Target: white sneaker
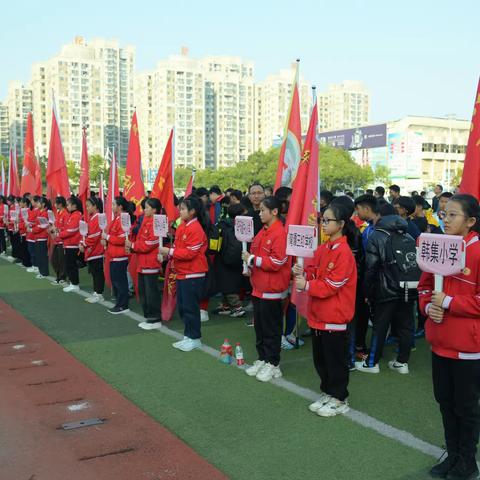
x=398, y=367
x=31, y=269
x=40, y=276
x=268, y=372
x=63, y=283
x=255, y=368
x=324, y=398
x=150, y=326
x=71, y=288
x=190, y=344
x=204, y=316
x=362, y=367
x=36, y=270
x=94, y=298
x=333, y=407
x=177, y=344
x=248, y=307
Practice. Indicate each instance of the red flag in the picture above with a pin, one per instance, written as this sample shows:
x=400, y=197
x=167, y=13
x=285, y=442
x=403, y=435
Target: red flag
x=100, y=190
x=13, y=187
x=29, y=183
x=471, y=168
x=292, y=142
x=163, y=186
x=57, y=176
x=169, y=298
x=113, y=189
x=304, y=203
x=84, y=188
x=189, y=189
x=133, y=188
x=38, y=177
x=3, y=185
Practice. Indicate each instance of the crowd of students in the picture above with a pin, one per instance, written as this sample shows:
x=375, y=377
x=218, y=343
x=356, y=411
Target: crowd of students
x=358, y=277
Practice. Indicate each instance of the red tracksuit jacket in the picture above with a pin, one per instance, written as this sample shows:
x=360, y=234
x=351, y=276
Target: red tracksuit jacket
x=269, y=263
x=61, y=218
x=331, y=286
x=70, y=235
x=146, y=247
x=188, y=252
x=93, y=241
x=40, y=231
x=32, y=216
x=2, y=211
x=458, y=336
x=116, y=241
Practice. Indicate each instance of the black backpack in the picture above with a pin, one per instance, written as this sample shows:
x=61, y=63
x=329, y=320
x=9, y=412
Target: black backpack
x=403, y=263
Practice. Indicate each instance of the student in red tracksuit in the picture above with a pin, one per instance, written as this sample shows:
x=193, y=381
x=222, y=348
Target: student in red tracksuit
x=114, y=239
x=22, y=230
x=93, y=250
x=453, y=330
x=190, y=265
x=71, y=237
x=58, y=254
x=148, y=267
x=32, y=215
x=40, y=231
x=270, y=278
x=3, y=243
x=331, y=284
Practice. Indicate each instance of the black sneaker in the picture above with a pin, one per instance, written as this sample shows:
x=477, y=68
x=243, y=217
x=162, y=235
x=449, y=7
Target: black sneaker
x=464, y=469
x=118, y=310
x=440, y=470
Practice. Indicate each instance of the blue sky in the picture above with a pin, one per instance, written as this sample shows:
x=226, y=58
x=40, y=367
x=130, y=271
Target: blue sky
x=416, y=57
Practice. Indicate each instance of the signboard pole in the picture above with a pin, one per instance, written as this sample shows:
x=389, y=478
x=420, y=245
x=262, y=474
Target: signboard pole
x=245, y=266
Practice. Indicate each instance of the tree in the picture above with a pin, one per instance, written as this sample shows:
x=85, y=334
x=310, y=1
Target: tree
x=382, y=174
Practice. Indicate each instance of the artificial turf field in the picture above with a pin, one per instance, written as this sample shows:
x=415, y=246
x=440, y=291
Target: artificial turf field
x=247, y=429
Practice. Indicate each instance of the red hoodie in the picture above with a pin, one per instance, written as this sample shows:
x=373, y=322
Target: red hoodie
x=458, y=335
x=146, y=247
x=269, y=263
x=331, y=286
x=70, y=235
x=93, y=241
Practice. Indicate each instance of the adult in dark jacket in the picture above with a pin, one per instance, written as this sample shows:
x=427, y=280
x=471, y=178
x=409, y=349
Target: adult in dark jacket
x=228, y=266
x=386, y=297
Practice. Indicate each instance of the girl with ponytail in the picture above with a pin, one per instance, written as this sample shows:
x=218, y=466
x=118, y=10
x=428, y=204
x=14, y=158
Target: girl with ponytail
x=330, y=282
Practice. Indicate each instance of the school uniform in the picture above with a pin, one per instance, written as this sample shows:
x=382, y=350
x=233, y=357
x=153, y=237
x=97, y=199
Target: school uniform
x=190, y=265
x=3, y=243
x=148, y=268
x=24, y=255
x=118, y=262
x=30, y=237
x=57, y=258
x=93, y=254
x=270, y=278
x=455, y=344
x=331, y=287
x=71, y=237
x=40, y=232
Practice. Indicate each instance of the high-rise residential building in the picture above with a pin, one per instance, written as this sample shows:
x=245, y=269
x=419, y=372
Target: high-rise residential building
x=93, y=87
x=230, y=108
x=4, y=131
x=272, y=103
x=344, y=105
x=19, y=103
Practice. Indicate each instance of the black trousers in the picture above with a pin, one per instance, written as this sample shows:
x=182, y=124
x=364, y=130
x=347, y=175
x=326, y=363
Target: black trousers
x=31, y=251
x=3, y=242
x=456, y=386
x=95, y=268
x=118, y=275
x=71, y=265
x=399, y=314
x=149, y=295
x=26, y=261
x=15, y=243
x=331, y=360
x=189, y=293
x=41, y=255
x=268, y=323
x=58, y=262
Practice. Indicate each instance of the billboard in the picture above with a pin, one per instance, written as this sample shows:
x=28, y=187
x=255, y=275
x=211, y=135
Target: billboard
x=371, y=136
x=405, y=155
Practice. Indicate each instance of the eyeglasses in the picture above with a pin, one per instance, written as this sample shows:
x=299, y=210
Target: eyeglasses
x=326, y=221
x=450, y=216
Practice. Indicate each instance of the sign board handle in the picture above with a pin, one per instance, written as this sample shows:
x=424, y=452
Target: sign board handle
x=245, y=266
x=300, y=262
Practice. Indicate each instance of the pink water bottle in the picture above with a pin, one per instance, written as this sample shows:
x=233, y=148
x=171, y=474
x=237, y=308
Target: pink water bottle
x=239, y=354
